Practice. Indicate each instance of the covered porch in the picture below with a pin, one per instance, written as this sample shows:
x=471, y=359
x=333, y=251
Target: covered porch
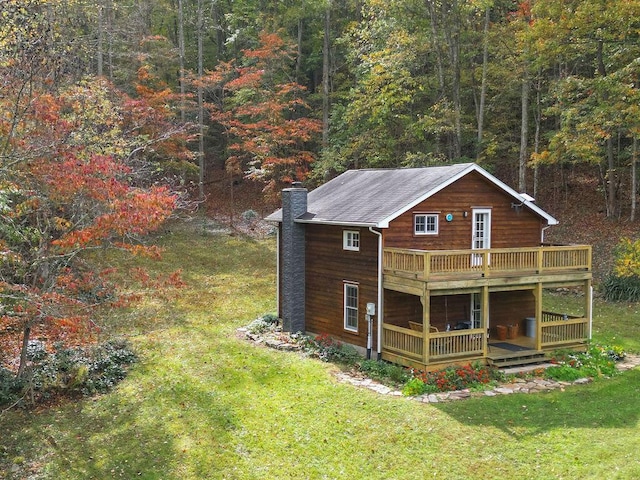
x=406, y=346
x=486, y=309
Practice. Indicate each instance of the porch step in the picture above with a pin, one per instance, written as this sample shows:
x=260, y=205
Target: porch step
x=524, y=357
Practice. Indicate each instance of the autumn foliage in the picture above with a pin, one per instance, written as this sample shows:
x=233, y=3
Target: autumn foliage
x=74, y=178
x=264, y=115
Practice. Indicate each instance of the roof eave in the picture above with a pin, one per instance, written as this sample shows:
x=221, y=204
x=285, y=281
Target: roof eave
x=338, y=223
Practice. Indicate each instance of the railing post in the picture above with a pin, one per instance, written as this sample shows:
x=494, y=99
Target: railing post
x=540, y=254
x=485, y=263
x=427, y=265
x=537, y=293
x=426, y=322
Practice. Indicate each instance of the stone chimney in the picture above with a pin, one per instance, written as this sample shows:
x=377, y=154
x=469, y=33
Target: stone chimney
x=294, y=204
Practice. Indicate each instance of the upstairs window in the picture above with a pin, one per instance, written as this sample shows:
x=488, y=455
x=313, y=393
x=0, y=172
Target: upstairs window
x=425, y=224
x=351, y=240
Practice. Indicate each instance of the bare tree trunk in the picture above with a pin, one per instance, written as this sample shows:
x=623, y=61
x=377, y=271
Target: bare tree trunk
x=453, y=37
x=610, y=179
x=325, y=75
x=634, y=186
x=536, y=141
x=524, y=133
x=299, y=54
x=434, y=33
x=23, y=351
x=217, y=18
x=610, y=176
x=483, y=83
x=110, y=20
x=100, y=53
x=181, y=52
x=200, y=32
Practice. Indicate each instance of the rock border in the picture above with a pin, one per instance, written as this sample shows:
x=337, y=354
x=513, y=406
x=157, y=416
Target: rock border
x=279, y=340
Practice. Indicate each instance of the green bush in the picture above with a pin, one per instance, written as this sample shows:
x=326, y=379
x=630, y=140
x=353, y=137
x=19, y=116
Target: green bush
x=10, y=387
x=263, y=324
x=384, y=371
x=414, y=387
x=597, y=361
x=564, y=373
x=68, y=370
x=328, y=349
x=621, y=289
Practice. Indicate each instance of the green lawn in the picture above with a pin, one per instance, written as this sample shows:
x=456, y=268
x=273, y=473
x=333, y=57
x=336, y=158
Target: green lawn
x=205, y=404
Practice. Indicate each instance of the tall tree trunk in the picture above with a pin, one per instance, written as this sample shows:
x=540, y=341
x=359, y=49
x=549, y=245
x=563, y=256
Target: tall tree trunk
x=110, y=22
x=181, y=52
x=100, y=54
x=634, y=186
x=217, y=16
x=299, y=54
x=536, y=138
x=483, y=83
x=610, y=177
x=26, y=334
x=453, y=37
x=200, y=33
x=524, y=132
x=325, y=74
x=434, y=34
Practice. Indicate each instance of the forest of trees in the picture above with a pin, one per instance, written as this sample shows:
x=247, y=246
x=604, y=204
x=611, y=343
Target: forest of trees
x=115, y=113
x=304, y=89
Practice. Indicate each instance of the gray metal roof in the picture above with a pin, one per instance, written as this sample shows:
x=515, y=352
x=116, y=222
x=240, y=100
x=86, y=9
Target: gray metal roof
x=374, y=197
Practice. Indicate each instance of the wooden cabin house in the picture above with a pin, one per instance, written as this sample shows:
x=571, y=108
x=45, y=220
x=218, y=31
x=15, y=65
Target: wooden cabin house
x=427, y=267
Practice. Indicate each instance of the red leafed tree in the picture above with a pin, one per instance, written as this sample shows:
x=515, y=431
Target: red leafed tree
x=73, y=180
x=264, y=115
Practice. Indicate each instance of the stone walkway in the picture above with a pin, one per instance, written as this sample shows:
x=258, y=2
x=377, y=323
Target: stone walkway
x=519, y=385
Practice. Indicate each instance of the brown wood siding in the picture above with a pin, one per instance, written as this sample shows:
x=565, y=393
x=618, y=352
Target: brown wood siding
x=328, y=268
x=450, y=309
x=400, y=308
x=510, y=227
x=511, y=308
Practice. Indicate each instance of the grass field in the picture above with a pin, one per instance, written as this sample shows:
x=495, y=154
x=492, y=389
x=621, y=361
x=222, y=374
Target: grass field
x=205, y=404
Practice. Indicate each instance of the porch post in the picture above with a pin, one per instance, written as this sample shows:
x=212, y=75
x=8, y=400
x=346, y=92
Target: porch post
x=537, y=293
x=588, y=313
x=426, y=323
x=485, y=317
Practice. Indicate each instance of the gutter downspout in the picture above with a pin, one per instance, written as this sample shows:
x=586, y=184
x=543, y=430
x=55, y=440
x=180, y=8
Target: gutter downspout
x=542, y=234
x=380, y=295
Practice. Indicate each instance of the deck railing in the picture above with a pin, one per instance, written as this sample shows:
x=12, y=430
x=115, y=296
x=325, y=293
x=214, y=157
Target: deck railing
x=442, y=345
x=557, y=330
x=560, y=329
x=492, y=262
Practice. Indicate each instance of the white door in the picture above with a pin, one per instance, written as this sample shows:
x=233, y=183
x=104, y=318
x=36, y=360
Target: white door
x=481, y=234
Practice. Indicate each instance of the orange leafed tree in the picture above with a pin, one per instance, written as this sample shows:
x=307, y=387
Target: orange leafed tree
x=73, y=187
x=264, y=115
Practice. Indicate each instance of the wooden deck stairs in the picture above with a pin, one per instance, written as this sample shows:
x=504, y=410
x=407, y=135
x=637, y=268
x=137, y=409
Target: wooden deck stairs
x=512, y=359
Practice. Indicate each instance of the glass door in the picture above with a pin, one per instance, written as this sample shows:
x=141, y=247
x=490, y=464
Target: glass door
x=476, y=311
x=481, y=233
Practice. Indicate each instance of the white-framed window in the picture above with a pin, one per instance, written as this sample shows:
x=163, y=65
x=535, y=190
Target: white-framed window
x=425, y=224
x=351, y=307
x=351, y=240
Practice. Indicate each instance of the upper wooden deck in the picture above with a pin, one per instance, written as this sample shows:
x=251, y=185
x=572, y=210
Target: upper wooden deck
x=406, y=268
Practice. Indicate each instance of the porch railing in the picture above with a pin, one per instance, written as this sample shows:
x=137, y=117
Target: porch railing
x=442, y=345
x=560, y=329
x=492, y=262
